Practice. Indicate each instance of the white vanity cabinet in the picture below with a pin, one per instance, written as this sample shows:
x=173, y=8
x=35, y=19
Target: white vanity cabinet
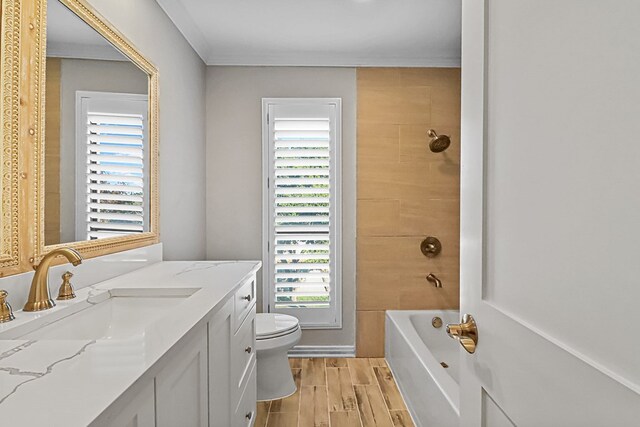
x=243, y=358
x=232, y=390
x=207, y=379
x=140, y=411
x=181, y=385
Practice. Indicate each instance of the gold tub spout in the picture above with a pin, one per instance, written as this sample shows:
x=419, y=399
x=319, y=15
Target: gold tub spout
x=39, y=295
x=432, y=278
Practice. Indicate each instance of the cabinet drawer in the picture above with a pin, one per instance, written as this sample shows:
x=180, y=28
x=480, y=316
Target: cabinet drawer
x=246, y=411
x=244, y=301
x=243, y=354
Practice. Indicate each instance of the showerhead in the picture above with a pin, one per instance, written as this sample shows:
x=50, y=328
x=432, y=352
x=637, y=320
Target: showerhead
x=438, y=143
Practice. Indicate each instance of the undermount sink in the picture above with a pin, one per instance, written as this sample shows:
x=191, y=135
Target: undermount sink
x=109, y=315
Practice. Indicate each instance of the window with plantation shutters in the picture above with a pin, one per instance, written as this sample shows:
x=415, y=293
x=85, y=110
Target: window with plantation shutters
x=302, y=209
x=112, y=165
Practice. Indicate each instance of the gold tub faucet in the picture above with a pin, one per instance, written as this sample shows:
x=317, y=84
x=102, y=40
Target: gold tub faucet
x=39, y=296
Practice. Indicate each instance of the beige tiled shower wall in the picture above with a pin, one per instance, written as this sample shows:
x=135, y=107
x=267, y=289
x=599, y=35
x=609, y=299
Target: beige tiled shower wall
x=405, y=193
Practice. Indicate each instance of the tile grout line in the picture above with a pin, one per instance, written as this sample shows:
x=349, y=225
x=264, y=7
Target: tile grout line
x=353, y=388
x=300, y=391
x=386, y=405
x=266, y=420
x=326, y=382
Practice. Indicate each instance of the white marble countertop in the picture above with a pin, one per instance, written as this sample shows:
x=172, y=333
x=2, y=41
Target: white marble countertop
x=71, y=382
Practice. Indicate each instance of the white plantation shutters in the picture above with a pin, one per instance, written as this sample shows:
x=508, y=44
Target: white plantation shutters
x=303, y=221
x=113, y=173
x=302, y=188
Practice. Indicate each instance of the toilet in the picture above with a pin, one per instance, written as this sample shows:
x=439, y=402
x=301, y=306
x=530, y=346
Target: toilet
x=275, y=335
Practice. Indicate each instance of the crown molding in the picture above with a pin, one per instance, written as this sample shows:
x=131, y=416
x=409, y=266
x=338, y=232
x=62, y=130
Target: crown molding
x=182, y=20
x=312, y=59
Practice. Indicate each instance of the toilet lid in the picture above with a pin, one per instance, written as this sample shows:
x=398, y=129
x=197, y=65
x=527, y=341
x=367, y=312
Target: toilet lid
x=271, y=325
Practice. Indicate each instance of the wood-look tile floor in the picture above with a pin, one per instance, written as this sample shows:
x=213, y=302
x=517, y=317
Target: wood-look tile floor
x=338, y=393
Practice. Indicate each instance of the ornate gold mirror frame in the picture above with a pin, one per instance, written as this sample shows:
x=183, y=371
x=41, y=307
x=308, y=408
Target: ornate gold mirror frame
x=9, y=130
x=99, y=247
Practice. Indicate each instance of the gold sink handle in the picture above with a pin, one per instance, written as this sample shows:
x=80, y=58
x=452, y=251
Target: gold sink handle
x=66, y=290
x=466, y=333
x=6, y=313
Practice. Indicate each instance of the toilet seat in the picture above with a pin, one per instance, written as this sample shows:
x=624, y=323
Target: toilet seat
x=272, y=325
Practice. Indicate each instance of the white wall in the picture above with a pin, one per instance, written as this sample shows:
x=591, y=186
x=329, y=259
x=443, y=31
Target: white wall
x=182, y=132
x=234, y=170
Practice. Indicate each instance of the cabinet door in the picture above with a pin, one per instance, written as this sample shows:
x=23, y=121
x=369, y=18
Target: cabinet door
x=181, y=386
x=220, y=333
x=138, y=412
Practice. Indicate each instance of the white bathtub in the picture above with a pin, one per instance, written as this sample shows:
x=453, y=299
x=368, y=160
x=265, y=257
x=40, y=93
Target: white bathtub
x=414, y=350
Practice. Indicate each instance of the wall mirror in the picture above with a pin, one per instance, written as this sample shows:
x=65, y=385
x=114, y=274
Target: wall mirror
x=97, y=190
x=9, y=133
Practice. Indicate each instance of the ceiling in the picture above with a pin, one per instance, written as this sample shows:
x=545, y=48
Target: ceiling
x=321, y=32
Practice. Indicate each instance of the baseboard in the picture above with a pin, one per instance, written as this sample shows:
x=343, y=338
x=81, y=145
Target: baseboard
x=323, y=351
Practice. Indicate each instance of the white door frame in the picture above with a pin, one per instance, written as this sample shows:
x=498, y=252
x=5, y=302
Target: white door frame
x=472, y=140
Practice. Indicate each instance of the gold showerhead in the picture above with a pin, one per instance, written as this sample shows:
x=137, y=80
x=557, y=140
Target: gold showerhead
x=438, y=143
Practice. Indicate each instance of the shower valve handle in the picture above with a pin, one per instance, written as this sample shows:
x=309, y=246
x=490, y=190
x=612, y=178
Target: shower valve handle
x=430, y=247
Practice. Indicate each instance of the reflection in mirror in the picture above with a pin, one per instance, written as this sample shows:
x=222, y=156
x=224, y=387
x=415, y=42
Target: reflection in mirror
x=96, y=143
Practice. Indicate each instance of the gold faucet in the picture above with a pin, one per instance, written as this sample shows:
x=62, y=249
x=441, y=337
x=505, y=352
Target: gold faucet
x=39, y=296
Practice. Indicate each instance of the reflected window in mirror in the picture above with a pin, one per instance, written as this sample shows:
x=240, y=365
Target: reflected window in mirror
x=114, y=160
x=96, y=141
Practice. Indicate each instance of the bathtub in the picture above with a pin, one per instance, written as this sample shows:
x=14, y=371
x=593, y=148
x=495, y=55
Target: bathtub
x=414, y=351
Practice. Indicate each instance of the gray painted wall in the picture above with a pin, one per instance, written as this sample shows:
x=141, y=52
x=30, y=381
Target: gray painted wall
x=182, y=127
x=234, y=166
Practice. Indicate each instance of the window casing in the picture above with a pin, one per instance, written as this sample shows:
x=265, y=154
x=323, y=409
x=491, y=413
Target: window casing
x=112, y=165
x=302, y=209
